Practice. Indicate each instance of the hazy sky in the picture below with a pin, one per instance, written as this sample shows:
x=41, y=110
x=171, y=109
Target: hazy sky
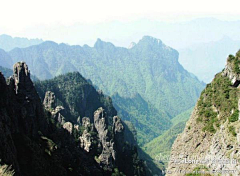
x=20, y=14
x=79, y=22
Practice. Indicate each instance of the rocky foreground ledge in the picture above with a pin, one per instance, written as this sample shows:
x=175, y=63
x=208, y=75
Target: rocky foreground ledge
x=210, y=142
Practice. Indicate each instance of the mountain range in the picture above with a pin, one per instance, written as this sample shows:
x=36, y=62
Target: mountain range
x=8, y=43
x=177, y=34
x=148, y=71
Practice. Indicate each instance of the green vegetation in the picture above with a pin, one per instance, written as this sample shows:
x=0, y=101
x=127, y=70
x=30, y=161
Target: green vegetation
x=232, y=130
x=235, y=62
x=6, y=170
x=199, y=171
x=219, y=100
x=234, y=116
x=152, y=86
x=184, y=116
x=161, y=146
x=147, y=120
x=76, y=95
x=117, y=173
x=216, y=103
x=49, y=145
x=80, y=99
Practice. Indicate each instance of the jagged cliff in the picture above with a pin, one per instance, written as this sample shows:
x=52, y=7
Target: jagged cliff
x=210, y=142
x=73, y=130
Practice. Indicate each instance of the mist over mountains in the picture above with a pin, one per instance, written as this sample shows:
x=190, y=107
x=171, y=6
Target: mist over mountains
x=196, y=40
x=207, y=59
x=175, y=34
x=8, y=43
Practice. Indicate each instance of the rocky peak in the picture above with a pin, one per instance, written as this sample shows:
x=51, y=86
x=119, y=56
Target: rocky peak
x=85, y=139
x=68, y=126
x=101, y=45
x=117, y=125
x=151, y=40
x=21, y=76
x=231, y=69
x=49, y=100
x=86, y=122
x=49, y=104
x=101, y=125
x=132, y=44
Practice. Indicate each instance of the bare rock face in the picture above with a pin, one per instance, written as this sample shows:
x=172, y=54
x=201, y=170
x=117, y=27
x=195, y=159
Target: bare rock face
x=57, y=114
x=68, y=126
x=50, y=105
x=85, y=141
x=117, y=125
x=118, y=131
x=49, y=100
x=108, y=154
x=101, y=125
x=21, y=76
x=86, y=122
x=229, y=72
x=209, y=150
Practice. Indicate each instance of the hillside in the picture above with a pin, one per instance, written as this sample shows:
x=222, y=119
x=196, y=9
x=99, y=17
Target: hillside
x=74, y=130
x=211, y=135
x=160, y=147
x=147, y=120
